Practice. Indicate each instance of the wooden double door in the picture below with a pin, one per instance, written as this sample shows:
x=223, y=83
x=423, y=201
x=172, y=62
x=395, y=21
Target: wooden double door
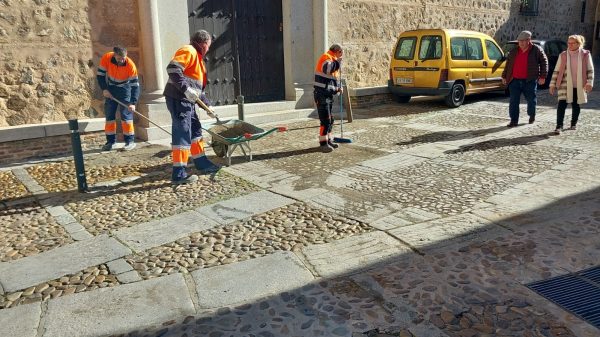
x=258, y=29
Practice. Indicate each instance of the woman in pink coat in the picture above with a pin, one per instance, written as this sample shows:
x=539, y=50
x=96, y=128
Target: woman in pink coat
x=573, y=78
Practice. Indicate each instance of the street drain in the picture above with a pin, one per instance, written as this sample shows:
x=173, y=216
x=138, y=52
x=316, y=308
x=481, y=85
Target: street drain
x=578, y=293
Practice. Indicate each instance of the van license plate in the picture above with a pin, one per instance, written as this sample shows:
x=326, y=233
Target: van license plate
x=404, y=80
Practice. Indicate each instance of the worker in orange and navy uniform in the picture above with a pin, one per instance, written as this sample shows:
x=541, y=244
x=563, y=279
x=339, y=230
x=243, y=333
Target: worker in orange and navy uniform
x=118, y=78
x=187, y=80
x=326, y=85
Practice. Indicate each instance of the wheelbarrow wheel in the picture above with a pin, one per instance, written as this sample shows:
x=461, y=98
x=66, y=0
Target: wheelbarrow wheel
x=220, y=149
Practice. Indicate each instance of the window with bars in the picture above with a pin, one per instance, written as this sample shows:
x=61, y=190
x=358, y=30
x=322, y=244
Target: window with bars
x=529, y=7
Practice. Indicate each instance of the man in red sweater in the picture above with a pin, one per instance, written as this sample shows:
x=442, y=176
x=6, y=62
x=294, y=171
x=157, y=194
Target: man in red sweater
x=526, y=67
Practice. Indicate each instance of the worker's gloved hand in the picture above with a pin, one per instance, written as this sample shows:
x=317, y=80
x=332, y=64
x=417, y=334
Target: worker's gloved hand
x=192, y=94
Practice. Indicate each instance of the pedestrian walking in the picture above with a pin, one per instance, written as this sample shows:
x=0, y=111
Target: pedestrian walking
x=186, y=84
x=573, y=79
x=118, y=78
x=327, y=84
x=526, y=67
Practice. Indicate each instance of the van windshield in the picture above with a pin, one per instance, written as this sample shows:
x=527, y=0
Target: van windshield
x=431, y=47
x=405, y=49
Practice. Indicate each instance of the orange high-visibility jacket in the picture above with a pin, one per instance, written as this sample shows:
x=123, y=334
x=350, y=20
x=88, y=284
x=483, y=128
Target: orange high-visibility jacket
x=120, y=80
x=186, y=69
x=327, y=74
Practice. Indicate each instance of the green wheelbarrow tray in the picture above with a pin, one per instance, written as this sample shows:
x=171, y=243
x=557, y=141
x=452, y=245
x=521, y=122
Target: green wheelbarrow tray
x=227, y=136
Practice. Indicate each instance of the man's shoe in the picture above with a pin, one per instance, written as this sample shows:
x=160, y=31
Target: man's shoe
x=129, y=146
x=187, y=180
x=511, y=125
x=531, y=119
x=557, y=131
x=325, y=148
x=333, y=145
x=573, y=127
x=108, y=146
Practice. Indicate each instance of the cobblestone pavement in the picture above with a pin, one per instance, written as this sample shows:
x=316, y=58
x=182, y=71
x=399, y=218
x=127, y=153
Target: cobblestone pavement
x=430, y=223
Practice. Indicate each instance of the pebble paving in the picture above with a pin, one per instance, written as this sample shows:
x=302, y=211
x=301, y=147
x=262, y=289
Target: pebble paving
x=329, y=308
x=12, y=188
x=28, y=229
x=287, y=228
x=86, y=280
x=514, y=154
x=469, y=288
x=151, y=197
x=436, y=187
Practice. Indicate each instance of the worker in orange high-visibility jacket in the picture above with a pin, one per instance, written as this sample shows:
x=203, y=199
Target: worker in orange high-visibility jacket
x=187, y=80
x=118, y=78
x=327, y=84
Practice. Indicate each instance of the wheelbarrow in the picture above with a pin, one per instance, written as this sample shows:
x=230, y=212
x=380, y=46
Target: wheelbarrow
x=228, y=136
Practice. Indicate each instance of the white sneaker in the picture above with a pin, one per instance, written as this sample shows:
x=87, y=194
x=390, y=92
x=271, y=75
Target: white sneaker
x=129, y=147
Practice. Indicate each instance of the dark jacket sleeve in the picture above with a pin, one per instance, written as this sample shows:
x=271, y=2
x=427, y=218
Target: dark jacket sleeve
x=102, y=81
x=543, y=62
x=135, y=94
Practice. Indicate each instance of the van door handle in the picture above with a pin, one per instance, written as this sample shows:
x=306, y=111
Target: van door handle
x=416, y=63
x=485, y=63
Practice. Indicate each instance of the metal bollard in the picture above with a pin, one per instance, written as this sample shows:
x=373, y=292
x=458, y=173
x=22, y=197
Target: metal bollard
x=240, y=102
x=78, y=156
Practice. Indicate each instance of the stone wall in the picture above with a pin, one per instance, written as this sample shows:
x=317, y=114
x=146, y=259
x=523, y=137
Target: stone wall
x=368, y=29
x=49, y=50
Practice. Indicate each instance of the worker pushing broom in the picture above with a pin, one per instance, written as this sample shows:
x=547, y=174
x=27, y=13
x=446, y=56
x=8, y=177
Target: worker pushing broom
x=327, y=84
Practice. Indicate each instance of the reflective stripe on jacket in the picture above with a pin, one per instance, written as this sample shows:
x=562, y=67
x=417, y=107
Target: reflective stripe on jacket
x=120, y=80
x=186, y=70
x=327, y=74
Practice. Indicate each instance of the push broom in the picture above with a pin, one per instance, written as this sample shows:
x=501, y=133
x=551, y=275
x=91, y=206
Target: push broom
x=341, y=139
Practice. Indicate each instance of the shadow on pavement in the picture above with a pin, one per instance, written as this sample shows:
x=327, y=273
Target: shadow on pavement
x=451, y=135
x=499, y=143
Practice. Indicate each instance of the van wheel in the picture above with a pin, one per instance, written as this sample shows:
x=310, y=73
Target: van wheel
x=456, y=96
x=402, y=98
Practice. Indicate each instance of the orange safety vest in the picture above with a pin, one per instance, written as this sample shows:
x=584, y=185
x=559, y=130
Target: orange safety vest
x=327, y=73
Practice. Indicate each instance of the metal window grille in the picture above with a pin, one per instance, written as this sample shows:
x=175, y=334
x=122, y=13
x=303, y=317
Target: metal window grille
x=530, y=7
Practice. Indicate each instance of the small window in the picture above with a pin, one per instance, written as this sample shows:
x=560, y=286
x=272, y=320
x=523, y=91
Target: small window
x=493, y=52
x=458, y=50
x=529, y=7
x=431, y=47
x=405, y=50
x=474, y=49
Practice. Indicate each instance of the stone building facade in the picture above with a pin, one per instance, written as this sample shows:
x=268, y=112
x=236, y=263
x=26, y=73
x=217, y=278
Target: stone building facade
x=369, y=28
x=49, y=49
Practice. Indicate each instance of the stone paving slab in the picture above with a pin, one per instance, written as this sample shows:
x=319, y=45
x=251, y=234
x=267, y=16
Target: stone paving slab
x=127, y=308
x=21, y=321
x=354, y=253
x=250, y=280
x=227, y=211
x=30, y=271
x=159, y=232
x=436, y=233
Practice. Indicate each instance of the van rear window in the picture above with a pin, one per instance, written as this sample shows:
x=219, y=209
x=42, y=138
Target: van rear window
x=431, y=47
x=405, y=49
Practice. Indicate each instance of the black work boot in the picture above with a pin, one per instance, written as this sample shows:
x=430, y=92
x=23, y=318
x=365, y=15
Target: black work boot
x=332, y=144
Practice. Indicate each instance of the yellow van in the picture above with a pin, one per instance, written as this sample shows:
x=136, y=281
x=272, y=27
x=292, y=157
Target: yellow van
x=445, y=62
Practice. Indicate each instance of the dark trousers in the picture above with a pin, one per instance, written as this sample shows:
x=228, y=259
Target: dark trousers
x=186, y=139
x=562, y=106
x=324, y=106
x=110, y=126
x=528, y=88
